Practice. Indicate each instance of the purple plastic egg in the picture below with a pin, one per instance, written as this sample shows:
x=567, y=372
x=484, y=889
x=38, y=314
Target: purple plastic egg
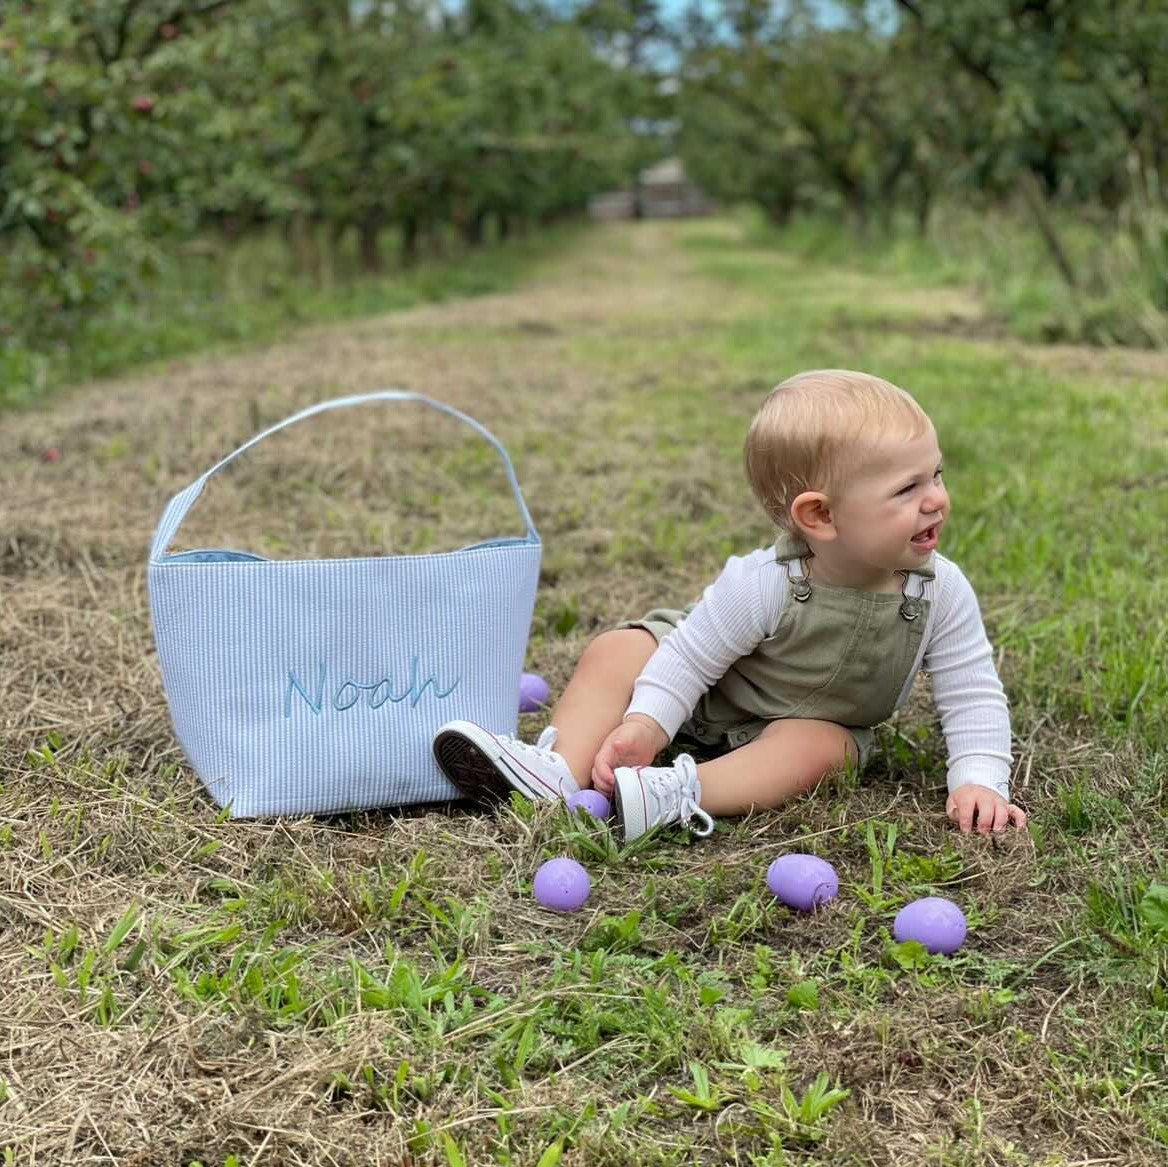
x=591, y=801
x=562, y=885
x=939, y=924
x=802, y=881
x=533, y=693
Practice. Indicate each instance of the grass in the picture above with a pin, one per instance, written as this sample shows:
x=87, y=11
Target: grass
x=244, y=294
x=1122, y=283
x=380, y=988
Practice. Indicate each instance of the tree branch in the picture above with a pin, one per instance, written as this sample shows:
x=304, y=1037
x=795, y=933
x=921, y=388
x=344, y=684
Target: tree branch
x=979, y=69
x=124, y=29
x=177, y=17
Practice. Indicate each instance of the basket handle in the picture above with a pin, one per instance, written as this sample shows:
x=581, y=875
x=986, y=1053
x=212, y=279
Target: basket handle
x=181, y=503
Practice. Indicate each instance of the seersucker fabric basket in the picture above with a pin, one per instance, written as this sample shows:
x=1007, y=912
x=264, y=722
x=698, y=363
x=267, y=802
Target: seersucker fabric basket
x=315, y=686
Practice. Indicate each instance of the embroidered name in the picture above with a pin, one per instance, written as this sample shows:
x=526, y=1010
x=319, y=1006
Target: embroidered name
x=348, y=693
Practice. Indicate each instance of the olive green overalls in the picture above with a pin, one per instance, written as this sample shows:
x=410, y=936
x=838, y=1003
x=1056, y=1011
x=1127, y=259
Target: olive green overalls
x=836, y=654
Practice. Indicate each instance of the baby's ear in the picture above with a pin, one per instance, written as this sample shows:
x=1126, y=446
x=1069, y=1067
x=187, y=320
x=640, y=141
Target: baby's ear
x=811, y=513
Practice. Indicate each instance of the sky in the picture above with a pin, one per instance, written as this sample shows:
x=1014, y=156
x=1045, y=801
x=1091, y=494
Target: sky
x=829, y=9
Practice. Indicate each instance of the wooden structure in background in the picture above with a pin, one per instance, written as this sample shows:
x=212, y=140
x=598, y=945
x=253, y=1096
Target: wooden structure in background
x=666, y=193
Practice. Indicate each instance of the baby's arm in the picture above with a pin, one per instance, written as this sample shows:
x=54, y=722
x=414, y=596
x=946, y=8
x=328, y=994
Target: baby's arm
x=727, y=624
x=975, y=718
x=732, y=616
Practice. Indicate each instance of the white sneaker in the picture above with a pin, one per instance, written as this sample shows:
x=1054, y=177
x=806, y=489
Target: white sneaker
x=652, y=796
x=486, y=767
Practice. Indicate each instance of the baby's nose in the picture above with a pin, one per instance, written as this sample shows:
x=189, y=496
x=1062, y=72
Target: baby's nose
x=935, y=499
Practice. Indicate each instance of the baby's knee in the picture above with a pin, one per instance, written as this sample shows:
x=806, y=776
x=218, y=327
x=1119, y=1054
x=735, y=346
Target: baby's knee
x=620, y=644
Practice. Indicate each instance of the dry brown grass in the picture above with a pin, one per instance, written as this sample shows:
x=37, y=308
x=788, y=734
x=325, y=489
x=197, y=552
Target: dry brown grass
x=939, y=1071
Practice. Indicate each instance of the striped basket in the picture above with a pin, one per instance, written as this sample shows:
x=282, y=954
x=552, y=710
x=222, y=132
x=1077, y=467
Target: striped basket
x=314, y=686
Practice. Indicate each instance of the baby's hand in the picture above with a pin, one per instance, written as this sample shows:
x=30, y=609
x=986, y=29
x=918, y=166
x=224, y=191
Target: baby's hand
x=986, y=807
x=634, y=742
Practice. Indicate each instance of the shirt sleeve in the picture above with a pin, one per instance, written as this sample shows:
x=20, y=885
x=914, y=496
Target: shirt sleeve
x=970, y=700
x=727, y=623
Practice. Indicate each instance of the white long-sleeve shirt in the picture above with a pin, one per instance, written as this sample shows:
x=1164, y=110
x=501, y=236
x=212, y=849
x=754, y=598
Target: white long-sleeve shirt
x=741, y=607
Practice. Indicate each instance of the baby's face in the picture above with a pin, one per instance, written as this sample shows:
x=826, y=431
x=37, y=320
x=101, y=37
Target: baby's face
x=890, y=513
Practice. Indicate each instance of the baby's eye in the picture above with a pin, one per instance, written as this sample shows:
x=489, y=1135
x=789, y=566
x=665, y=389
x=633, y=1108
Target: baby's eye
x=906, y=489
x=938, y=475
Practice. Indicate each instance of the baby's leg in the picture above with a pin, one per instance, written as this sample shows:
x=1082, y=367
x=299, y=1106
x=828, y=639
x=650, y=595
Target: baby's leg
x=787, y=758
x=598, y=694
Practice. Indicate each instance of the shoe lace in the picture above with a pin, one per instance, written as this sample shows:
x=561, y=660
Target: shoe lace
x=546, y=741
x=539, y=751
x=683, y=797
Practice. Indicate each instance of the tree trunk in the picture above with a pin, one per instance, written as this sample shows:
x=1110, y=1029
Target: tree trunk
x=336, y=240
x=474, y=230
x=638, y=196
x=368, y=246
x=1035, y=200
x=435, y=240
x=777, y=210
x=409, y=241
x=300, y=236
x=923, y=207
x=857, y=203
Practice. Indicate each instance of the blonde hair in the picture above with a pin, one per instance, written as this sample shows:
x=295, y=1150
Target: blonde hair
x=817, y=427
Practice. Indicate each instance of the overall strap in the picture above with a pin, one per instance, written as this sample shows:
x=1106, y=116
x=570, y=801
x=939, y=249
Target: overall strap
x=792, y=551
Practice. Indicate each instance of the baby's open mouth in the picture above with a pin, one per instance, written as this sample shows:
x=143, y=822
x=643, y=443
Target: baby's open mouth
x=928, y=535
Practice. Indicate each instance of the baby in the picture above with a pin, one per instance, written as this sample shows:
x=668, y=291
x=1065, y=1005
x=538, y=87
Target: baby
x=780, y=671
